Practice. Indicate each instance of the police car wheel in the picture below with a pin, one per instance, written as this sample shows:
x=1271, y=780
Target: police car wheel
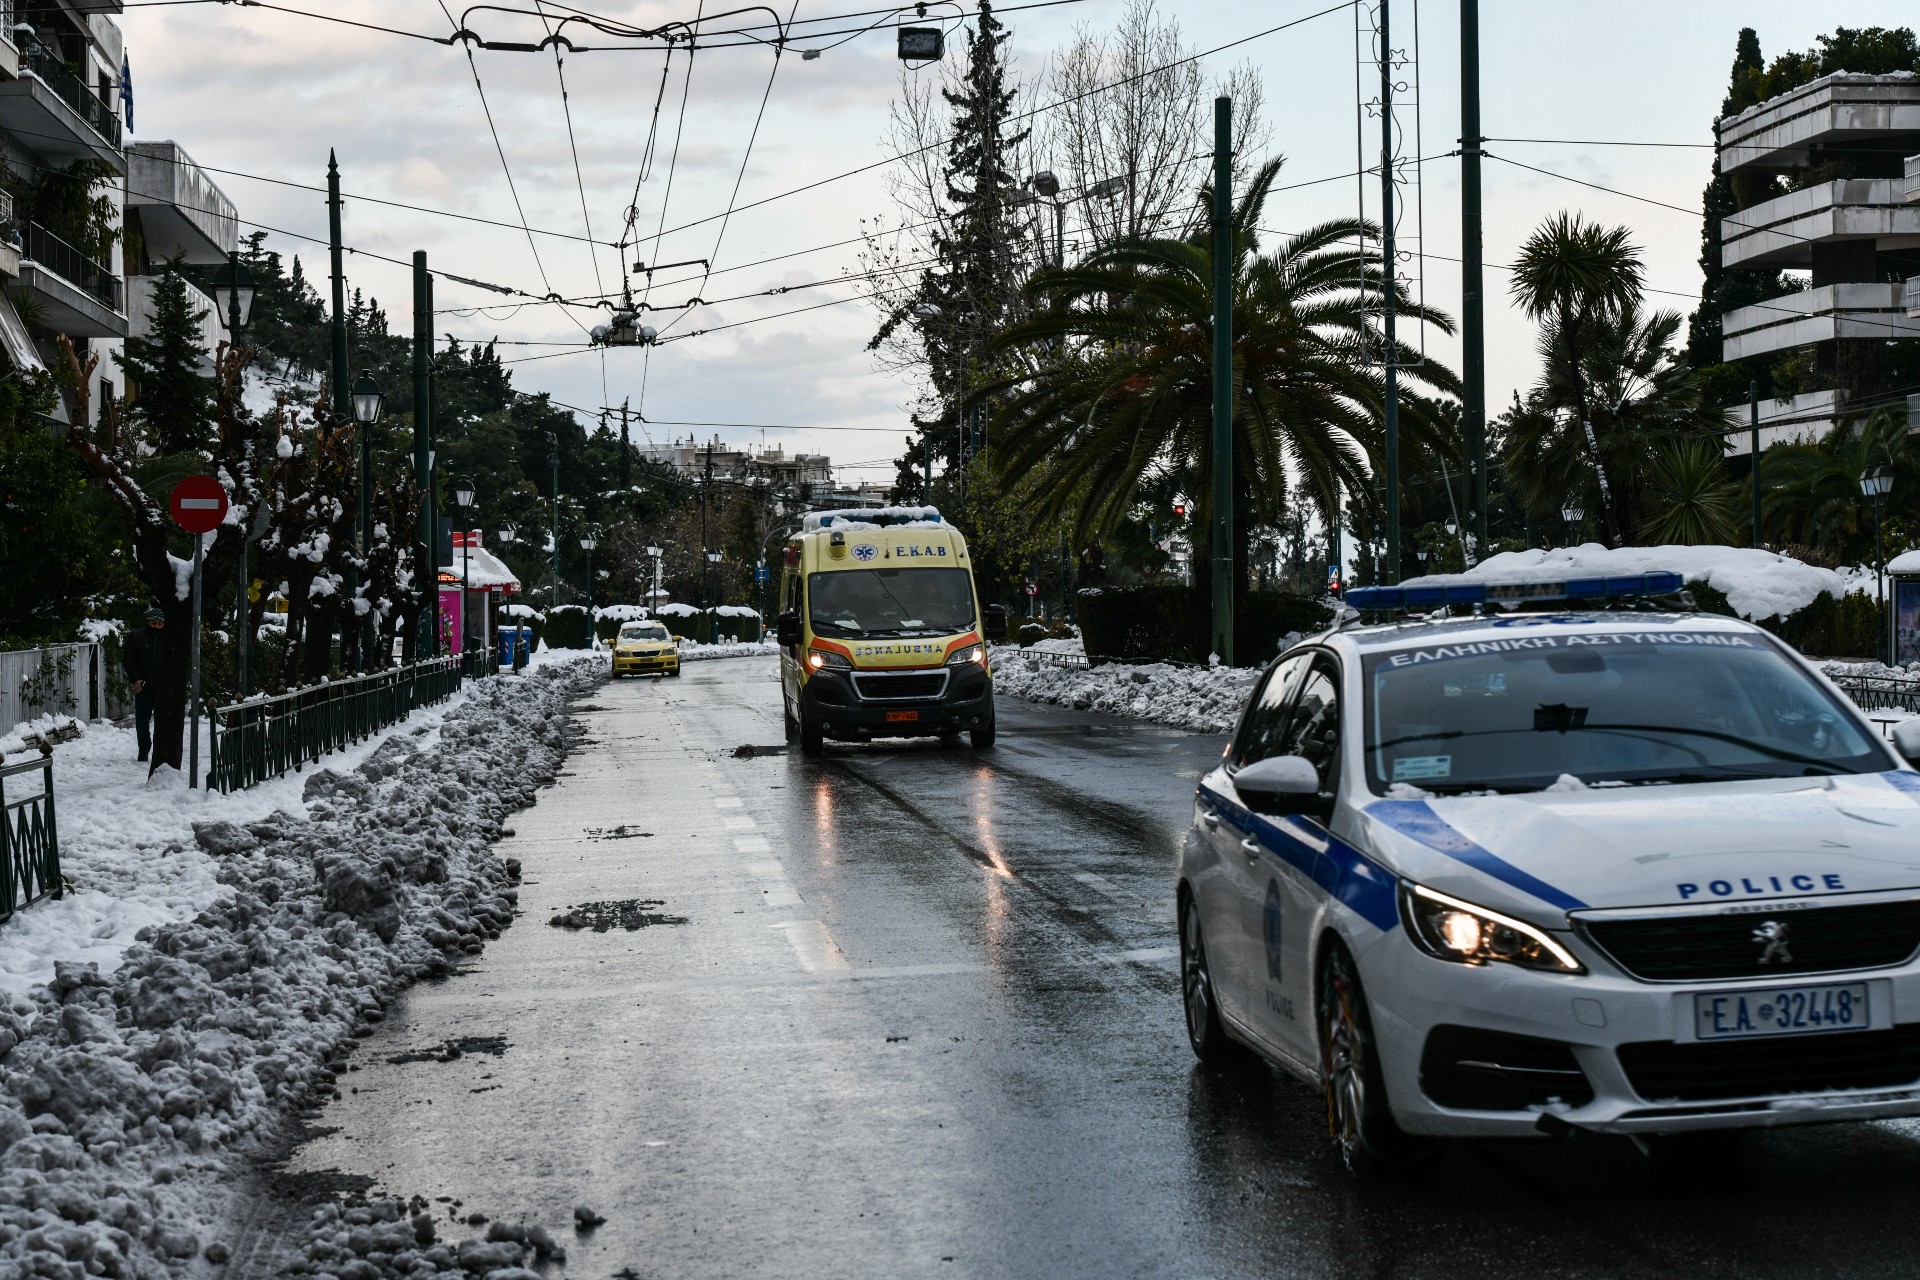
x=1204, y=1032
x=1359, y=1121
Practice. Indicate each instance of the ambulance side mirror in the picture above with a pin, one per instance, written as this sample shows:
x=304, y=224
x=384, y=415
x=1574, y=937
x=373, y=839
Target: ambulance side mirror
x=1906, y=740
x=787, y=629
x=996, y=622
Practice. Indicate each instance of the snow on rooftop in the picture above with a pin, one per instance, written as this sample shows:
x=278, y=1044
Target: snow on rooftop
x=861, y=518
x=1758, y=584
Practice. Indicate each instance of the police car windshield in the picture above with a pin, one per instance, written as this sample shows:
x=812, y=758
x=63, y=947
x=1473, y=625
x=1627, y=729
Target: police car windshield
x=1520, y=712
x=890, y=602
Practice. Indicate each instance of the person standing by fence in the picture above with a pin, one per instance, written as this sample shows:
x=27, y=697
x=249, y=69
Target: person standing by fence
x=142, y=657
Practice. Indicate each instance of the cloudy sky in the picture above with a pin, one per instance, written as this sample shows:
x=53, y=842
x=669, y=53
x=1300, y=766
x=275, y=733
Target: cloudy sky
x=268, y=93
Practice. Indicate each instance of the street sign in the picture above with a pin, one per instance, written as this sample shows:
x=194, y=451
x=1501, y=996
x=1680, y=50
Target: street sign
x=1032, y=589
x=199, y=504
x=760, y=573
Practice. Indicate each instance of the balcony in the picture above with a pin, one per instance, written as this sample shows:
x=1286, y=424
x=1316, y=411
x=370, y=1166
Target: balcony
x=1817, y=315
x=1912, y=191
x=54, y=114
x=1779, y=132
x=181, y=211
x=1782, y=232
x=72, y=293
x=1802, y=419
x=9, y=239
x=1911, y=295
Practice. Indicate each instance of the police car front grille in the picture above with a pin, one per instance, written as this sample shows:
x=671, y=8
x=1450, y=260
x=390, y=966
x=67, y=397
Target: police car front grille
x=1665, y=1070
x=888, y=687
x=1819, y=940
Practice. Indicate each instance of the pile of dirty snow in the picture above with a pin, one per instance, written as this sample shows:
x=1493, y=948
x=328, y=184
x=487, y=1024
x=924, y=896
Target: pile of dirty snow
x=1758, y=584
x=1202, y=699
x=691, y=651
x=128, y=1094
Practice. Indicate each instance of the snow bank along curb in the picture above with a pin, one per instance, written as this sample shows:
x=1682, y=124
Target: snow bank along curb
x=745, y=649
x=1200, y=699
x=124, y=1098
x=1757, y=584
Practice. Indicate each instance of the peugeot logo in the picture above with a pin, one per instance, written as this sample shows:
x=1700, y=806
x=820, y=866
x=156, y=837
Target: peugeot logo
x=1772, y=937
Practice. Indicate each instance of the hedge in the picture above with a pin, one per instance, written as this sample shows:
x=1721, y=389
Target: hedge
x=566, y=627
x=1845, y=626
x=1172, y=622
x=693, y=626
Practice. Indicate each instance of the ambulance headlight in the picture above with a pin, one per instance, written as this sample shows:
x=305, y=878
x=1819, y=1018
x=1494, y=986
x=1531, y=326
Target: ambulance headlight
x=818, y=658
x=1449, y=929
x=972, y=653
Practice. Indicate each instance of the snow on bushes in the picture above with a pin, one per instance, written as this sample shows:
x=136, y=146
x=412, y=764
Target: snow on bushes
x=125, y=1098
x=1201, y=699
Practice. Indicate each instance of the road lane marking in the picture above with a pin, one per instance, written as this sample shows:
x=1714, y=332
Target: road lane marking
x=739, y=824
x=726, y=802
x=752, y=844
x=815, y=947
x=1106, y=886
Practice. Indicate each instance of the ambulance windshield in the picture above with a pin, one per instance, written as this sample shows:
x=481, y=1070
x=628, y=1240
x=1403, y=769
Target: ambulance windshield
x=851, y=603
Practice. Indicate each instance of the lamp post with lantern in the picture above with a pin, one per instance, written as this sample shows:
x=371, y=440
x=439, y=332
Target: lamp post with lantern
x=713, y=597
x=463, y=499
x=1876, y=483
x=588, y=542
x=367, y=406
x=236, y=282
x=653, y=598
x=1573, y=513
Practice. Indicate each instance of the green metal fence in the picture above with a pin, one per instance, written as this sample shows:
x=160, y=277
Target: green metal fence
x=266, y=737
x=29, y=840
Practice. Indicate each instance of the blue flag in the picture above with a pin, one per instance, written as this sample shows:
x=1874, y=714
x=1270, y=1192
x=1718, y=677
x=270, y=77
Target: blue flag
x=126, y=90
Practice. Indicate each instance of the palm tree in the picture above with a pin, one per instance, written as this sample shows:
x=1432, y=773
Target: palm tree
x=1626, y=379
x=1692, y=502
x=1573, y=275
x=1123, y=390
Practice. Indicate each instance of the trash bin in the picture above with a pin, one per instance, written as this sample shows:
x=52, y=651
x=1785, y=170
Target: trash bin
x=515, y=645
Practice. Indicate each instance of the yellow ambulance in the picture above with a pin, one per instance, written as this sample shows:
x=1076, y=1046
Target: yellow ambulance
x=881, y=632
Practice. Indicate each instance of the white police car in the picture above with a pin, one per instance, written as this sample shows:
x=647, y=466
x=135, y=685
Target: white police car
x=1536, y=872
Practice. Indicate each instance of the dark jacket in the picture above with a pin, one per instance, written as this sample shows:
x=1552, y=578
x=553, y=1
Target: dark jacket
x=144, y=653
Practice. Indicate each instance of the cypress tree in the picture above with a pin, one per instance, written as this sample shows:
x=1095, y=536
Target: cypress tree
x=173, y=398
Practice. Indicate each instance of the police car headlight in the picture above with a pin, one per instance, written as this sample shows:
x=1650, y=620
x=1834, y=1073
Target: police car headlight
x=1450, y=929
x=818, y=658
x=972, y=653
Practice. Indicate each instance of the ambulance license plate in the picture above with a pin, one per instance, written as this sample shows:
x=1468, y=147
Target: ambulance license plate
x=1736, y=1015
x=902, y=717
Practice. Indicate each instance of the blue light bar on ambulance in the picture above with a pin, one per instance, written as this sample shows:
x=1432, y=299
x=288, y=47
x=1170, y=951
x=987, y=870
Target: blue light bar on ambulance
x=1418, y=595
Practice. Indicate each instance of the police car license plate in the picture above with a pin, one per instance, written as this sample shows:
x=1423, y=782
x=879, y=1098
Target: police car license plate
x=902, y=717
x=1783, y=1011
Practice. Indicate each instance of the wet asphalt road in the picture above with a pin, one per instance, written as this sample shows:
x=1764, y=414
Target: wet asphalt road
x=922, y=1020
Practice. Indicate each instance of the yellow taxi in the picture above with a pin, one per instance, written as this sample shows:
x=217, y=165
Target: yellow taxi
x=645, y=648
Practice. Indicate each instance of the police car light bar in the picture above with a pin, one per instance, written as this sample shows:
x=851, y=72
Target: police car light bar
x=1417, y=596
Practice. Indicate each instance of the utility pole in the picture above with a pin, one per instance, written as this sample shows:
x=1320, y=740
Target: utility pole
x=626, y=463
x=1223, y=379
x=427, y=570
x=1753, y=427
x=706, y=483
x=243, y=629
x=1390, y=399
x=1473, y=315
x=553, y=464
x=343, y=409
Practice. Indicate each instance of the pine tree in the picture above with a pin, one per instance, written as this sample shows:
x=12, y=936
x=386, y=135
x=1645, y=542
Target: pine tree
x=172, y=398
x=974, y=288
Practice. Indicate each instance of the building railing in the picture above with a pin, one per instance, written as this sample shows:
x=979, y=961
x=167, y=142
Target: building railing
x=76, y=268
x=72, y=90
x=267, y=737
x=1913, y=177
x=1911, y=295
x=29, y=839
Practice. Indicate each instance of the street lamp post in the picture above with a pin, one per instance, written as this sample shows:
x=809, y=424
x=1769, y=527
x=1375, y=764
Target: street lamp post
x=237, y=283
x=463, y=499
x=1573, y=513
x=653, y=597
x=367, y=404
x=587, y=544
x=508, y=535
x=1876, y=483
x=713, y=598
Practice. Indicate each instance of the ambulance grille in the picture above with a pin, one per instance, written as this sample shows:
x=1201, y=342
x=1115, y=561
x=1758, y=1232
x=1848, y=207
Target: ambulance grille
x=1818, y=940
x=913, y=685
x=1664, y=1070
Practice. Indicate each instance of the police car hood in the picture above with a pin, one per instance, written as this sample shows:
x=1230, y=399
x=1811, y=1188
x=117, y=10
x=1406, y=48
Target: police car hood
x=1542, y=854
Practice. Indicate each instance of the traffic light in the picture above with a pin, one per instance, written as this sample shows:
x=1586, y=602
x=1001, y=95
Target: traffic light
x=1334, y=585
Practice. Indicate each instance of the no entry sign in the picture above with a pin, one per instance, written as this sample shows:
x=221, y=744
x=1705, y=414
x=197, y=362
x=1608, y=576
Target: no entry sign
x=199, y=504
